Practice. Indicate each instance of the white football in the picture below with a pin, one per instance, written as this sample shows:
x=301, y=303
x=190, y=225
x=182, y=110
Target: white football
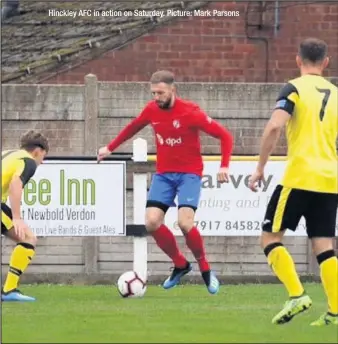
x=130, y=284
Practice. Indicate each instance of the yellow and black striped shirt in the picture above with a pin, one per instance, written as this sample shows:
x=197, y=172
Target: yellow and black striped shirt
x=15, y=163
x=311, y=132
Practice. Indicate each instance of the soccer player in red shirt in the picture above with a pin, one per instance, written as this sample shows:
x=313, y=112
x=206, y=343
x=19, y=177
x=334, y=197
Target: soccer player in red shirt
x=176, y=124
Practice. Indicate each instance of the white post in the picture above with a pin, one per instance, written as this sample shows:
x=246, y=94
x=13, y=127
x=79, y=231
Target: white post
x=140, y=153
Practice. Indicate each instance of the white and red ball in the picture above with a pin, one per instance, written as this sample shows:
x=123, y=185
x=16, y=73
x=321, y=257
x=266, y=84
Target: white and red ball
x=130, y=284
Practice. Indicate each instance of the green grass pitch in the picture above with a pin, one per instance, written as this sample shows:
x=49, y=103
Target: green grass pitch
x=185, y=314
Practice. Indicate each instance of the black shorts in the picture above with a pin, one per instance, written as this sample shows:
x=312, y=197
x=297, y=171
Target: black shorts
x=287, y=206
x=6, y=218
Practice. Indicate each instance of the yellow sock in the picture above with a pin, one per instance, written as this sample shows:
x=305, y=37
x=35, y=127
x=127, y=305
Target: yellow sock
x=329, y=276
x=283, y=266
x=20, y=259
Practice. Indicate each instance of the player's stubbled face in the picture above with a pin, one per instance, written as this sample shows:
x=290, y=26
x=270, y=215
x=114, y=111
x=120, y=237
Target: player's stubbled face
x=162, y=94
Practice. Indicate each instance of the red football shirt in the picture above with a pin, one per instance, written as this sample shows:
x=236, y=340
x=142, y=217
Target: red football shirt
x=177, y=136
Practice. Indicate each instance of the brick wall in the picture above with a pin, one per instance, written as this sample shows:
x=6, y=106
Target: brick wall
x=216, y=49
x=67, y=116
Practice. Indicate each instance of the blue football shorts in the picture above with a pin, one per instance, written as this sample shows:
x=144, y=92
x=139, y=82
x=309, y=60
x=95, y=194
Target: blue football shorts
x=165, y=187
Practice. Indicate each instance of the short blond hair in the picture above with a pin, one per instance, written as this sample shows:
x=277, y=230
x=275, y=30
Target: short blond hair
x=164, y=76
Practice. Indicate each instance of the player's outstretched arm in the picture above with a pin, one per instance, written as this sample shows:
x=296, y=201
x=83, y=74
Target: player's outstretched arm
x=286, y=101
x=215, y=129
x=125, y=134
x=271, y=136
x=280, y=116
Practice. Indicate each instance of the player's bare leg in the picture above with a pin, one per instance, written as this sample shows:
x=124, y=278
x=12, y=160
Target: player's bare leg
x=195, y=243
x=283, y=266
x=166, y=241
x=328, y=263
x=19, y=261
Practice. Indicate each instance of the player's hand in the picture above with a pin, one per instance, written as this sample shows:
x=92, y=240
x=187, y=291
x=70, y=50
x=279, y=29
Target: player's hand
x=255, y=179
x=20, y=228
x=223, y=175
x=102, y=153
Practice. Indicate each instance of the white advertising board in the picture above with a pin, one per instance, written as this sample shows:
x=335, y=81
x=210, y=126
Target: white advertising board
x=232, y=209
x=76, y=198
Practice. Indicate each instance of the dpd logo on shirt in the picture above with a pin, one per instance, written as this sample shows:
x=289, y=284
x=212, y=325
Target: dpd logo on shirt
x=170, y=141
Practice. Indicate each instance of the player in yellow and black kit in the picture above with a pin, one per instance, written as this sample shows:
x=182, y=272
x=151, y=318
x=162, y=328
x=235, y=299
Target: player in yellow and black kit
x=308, y=106
x=18, y=166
